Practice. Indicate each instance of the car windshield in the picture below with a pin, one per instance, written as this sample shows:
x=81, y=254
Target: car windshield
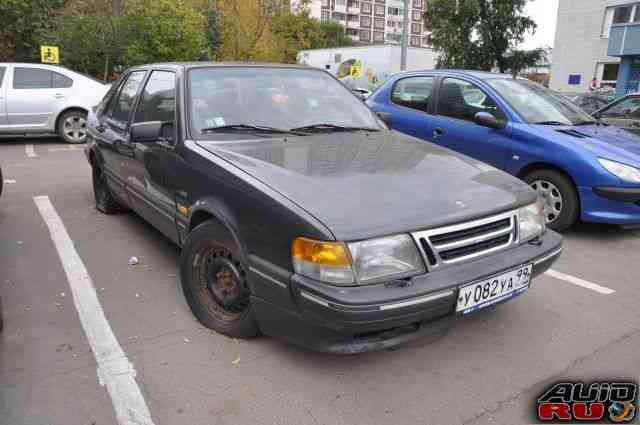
x=228, y=102
x=537, y=104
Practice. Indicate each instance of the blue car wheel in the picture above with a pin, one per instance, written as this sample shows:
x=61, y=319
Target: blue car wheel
x=561, y=206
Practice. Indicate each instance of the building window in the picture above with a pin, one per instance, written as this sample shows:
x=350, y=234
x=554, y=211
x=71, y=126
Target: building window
x=365, y=35
x=622, y=15
x=353, y=18
x=341, y=3
x=337, y=16
x=417, y=15
x=416, y=29
x=397, y=38
x=326, y=16
x=414, y=41
x=352, y=3
x=352, y=32
x=395, y=11
x=607, y=74
x=378, y=23
x=379, y=11
x=365, y=8
x=325, y=3
x=365, y=21
x=378, y=37
x=417, y=4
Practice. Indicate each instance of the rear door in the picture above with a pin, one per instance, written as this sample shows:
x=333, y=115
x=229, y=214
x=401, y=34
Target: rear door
x=624, y=113
x=34, y=98
x=145, y=169
x=458, y=101
x=3, y=105
x=113, y=132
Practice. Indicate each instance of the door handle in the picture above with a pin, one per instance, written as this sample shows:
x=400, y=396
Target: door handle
x=58, y=96
x=437, y=133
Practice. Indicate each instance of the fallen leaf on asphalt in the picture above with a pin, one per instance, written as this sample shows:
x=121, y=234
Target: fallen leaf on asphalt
x=133, y=261
x=186, y=340
x=236, y=361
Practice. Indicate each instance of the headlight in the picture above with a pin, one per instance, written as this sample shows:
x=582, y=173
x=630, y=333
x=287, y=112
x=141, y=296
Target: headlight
x=622, y=171
x=395, y=256
x=361, y=262
x=531, y=221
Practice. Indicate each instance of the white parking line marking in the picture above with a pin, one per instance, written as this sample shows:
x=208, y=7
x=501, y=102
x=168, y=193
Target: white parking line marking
x=580, y=282
x=10, y=181
x=114, y=369
x=30, y=151
x=67, y=148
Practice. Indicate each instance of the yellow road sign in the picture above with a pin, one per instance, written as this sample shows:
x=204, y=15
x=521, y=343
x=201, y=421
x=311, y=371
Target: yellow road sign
x=50, y=54
x=355, y=71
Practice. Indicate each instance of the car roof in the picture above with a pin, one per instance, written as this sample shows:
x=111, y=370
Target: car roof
x=480, y=75
x=183, y=65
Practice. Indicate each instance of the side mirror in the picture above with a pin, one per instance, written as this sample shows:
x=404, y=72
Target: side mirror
x=485, y=119
x=385, y=117
x=146, y=132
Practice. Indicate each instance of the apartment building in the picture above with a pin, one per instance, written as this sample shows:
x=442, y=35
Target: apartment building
x=373, y=21
x=581, y=50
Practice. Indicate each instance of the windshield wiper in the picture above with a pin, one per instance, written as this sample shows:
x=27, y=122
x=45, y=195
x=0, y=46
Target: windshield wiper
x=249, y=128
x=332, y=127
x=551, y=123
x=585, y=123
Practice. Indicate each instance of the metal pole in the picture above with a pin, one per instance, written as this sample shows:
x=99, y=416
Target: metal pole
x=405, y=37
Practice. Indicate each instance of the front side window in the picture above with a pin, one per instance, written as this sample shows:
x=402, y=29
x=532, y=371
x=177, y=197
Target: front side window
x=628, y=108
x=413, y=92
x=271, y=97
x=31, y=78
x=537, y=104
x=2, y=69
x=122, y=103
x=158, y=99
x=463, y=100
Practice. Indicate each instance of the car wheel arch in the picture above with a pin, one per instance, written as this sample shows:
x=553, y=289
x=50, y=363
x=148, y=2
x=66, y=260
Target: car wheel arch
x=68, y=109
x=212, y=211
x=535, y=166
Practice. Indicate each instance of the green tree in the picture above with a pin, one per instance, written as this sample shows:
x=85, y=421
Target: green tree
x=162, y=30
x=517, y=61
x=298, y=30
x=91, y=35
x=24, y=26
x=476, y=34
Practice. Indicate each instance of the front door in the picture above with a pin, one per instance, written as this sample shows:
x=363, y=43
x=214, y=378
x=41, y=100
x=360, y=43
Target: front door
x=145, y=170
x=34, y=97
x=458, y=101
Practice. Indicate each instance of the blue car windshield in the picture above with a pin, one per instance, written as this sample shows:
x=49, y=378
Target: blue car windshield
x=537, y=104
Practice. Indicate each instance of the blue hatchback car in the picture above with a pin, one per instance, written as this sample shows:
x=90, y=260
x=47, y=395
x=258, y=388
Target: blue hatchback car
x=583, y=169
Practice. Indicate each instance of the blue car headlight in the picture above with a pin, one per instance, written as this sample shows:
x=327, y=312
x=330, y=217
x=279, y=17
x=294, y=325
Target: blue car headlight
x=622, y=171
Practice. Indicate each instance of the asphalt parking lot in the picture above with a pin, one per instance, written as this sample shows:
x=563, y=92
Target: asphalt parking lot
x=580, y=322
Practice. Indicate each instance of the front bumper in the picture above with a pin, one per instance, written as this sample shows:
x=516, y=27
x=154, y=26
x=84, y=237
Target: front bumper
x=613, y=205
x=356, y=319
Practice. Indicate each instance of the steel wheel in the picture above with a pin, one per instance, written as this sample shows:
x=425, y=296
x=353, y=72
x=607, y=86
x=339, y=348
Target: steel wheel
x=221, y=284
x=552, y=198
x=74, y=128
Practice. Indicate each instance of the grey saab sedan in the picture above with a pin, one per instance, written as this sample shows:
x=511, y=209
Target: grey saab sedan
x=300, y=215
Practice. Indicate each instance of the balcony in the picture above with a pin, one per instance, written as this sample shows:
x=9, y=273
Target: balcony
x=624, y=40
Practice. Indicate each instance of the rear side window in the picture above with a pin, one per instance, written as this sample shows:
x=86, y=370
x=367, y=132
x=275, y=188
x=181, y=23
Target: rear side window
x=628, y=108
x=31, y=78
x=122, y=103
x=2, y=69
x=59, y=81
x=35, y=78
x=158, y=100
x=413, y=92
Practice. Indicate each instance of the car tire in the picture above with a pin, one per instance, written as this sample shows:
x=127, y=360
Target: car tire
x=72, y=127
x=105, y=202
x=214, y=282
x=562, y=205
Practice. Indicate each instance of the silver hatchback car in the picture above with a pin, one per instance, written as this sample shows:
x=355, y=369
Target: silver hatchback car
x=45, y=99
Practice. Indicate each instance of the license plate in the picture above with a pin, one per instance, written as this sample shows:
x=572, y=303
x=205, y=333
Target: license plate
x=493, y=289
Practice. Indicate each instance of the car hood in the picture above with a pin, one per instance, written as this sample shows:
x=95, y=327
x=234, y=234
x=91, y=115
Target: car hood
x=362, y=185
x=604, y=141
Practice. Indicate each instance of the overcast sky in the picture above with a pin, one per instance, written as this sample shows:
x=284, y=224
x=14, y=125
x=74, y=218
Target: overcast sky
x=545, y=13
